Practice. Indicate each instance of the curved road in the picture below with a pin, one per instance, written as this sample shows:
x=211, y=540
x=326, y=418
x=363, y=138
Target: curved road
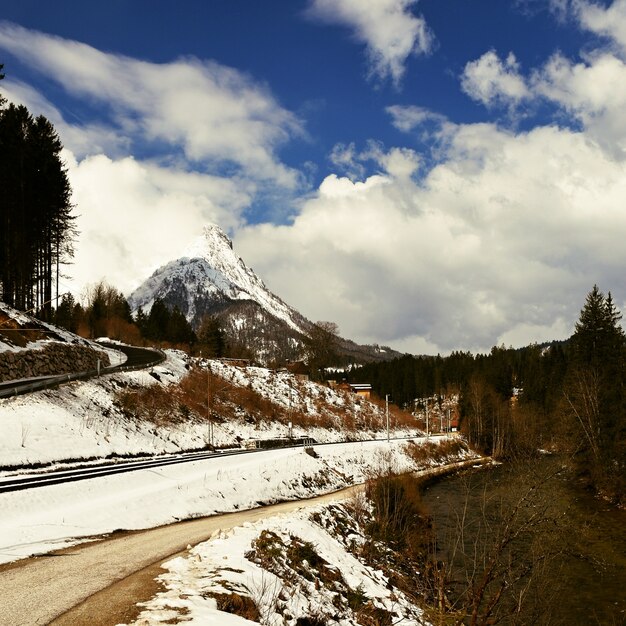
x=100, y=583
x=136, y=358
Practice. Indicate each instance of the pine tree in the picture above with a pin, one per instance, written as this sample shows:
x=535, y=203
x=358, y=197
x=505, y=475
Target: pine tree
x=594, y=391
x=211, y=337
x=65, y=315
x=36, y=224
x=158, y=320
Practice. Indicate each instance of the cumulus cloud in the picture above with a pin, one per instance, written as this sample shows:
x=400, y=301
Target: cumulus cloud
x=213, y=113
x=490, y=80
x=135, y=216
x=499, y=242
x=388, y=28
x=606, y=21
x=593, y=92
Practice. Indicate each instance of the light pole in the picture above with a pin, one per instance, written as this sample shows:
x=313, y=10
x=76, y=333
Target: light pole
x=208, y=403
x=387, y=414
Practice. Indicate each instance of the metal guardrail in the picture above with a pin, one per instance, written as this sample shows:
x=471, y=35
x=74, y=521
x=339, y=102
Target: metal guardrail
x=10, y=388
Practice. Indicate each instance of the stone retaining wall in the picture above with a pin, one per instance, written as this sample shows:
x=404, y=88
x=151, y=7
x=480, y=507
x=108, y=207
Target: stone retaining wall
x=55, y=358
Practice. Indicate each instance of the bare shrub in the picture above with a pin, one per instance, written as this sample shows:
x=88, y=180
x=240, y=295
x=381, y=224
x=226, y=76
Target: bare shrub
x=238, y=605
x=397, y=417
x=432, y=452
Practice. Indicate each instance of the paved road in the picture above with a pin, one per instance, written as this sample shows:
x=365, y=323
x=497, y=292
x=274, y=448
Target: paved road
x=99, y=583
x=136, y=358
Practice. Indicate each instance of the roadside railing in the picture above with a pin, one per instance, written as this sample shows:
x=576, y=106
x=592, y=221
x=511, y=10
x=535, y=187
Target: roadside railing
x=18, y=387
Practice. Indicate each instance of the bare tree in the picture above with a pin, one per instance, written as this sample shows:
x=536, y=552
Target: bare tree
x=499, y=551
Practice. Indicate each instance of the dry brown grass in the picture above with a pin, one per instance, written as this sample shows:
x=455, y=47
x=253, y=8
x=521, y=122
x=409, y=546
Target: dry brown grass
x=397, y=417
x=444, y=450
x=237, y=604
x=202, y=394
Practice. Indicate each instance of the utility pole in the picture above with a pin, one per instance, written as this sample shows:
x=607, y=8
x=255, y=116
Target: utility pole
x=208, y=403
x=427, y=428
x=387, y=414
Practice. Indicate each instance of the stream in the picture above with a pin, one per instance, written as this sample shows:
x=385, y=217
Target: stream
x=575, y=544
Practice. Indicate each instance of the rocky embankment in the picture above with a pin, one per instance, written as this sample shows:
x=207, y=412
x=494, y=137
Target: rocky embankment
x=54, y=358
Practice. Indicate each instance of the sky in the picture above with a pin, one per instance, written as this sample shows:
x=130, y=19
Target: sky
x=433, y=175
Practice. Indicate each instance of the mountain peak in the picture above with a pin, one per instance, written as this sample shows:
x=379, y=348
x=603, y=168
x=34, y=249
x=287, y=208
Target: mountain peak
x=208, y=275
x=212, y=241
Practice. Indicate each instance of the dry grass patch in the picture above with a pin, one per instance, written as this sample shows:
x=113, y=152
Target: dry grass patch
x=436, y=451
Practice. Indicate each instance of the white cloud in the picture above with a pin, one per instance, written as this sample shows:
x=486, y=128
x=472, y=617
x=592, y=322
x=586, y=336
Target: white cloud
x=593, y=92
x=497, y=242
x=388, y=28
x=215, y=114
x=135, y=216
x=607, y=21
x=491, y=81
x=345, y=158
x=398, y=162
x=409, y=117
x=90, y=138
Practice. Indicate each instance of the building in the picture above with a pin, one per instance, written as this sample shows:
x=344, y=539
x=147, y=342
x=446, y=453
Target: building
x=360, y=389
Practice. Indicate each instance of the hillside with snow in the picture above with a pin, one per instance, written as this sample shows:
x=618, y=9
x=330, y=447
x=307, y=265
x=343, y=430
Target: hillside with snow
x=188, y=403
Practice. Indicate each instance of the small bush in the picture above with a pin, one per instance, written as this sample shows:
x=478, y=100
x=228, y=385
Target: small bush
x=238, y=605
x=436, y=452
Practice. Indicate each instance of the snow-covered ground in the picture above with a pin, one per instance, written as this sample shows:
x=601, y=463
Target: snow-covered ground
x=220, y=566
x=83, y=420
x=47, y=518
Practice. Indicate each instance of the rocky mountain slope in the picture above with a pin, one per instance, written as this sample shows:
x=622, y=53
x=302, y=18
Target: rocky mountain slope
x=211, y=279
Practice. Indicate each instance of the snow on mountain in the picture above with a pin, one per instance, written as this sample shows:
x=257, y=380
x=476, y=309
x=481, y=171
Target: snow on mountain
x=208, y=278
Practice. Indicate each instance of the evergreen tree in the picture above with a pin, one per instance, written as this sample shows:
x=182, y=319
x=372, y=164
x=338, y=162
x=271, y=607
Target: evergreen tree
x=594, y=392
x=158, y=320
x=178, y=329
x=65, y=315
x=141, y=319
x=36, y=224
x=211, y=337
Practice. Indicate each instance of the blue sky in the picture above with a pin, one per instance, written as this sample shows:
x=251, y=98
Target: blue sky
x=430, y=174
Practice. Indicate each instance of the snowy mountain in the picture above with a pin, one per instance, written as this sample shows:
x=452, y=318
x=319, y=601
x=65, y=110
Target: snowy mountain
x=208, y=276
x=211, y=279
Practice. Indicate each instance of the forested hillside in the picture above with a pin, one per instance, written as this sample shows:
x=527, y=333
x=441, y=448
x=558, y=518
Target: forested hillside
x=567, y=396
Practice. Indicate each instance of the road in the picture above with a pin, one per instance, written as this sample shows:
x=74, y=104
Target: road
x=136, y=358
x=100, y=583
